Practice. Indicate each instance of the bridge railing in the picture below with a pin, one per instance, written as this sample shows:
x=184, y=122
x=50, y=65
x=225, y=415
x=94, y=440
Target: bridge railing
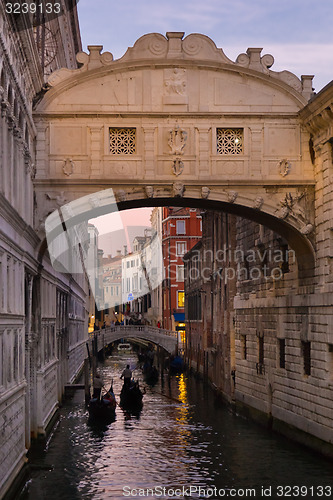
x=105, y=335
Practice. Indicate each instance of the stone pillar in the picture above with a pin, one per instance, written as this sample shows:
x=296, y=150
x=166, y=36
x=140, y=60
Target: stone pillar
x=256, y=142
x=95, y=148
x=203, y=148
x=149, y=151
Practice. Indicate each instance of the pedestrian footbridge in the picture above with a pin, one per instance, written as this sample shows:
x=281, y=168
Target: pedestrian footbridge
x=167, y=339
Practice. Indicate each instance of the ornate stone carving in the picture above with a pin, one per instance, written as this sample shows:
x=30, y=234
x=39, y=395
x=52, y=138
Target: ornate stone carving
x=178, y=189
x=290, y=207
x=284, y=167
x=178, y=166
x=60, y=198
x=175, y=84
x=68, y=167
x=232, y=195
x=258, y=203
x=205, y=191
x=177, y=140
x=307, y=229
x=121, y=195
x=31, y=169
x=149, y=191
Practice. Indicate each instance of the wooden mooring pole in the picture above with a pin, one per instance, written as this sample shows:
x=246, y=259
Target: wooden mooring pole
x=86, y=381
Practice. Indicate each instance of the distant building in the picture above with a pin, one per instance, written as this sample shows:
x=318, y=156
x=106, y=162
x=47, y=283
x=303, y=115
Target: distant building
x=136, y=298
x=112, y=270
x=210, y=339
x=181, y=230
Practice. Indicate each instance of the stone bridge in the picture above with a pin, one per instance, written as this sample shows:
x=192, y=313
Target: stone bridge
x=166, y=339
x=176, y=122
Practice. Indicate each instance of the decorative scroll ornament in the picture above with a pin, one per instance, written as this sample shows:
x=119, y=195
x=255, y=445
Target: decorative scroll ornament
x=177, y=141
x=178, y=189
x=205, y=191
x=68, y=167
x=149, y=191
x=284, y=167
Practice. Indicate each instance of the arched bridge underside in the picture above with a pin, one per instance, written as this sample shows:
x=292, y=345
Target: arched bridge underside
x=176, y=122
x=166, y=339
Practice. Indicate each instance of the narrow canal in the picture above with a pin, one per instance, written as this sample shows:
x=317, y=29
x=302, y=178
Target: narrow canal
x=182, y=444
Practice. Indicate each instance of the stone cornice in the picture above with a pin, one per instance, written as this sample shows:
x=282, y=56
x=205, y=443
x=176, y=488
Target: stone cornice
x=317, y=115
x=16, y=221
x=194, y=51
x=102, y=183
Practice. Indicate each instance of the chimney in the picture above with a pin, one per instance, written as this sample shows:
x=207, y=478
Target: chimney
x=118, y=253
x=125, y=249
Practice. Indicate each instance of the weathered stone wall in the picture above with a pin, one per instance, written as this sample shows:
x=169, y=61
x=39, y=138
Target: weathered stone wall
x=28, y=366
x=299, y=393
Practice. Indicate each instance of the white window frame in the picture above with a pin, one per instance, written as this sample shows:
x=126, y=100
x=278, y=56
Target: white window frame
x=179, y=254
x=177, y=226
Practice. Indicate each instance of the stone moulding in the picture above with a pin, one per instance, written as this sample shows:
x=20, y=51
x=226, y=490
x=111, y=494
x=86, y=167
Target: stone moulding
x=194, y=47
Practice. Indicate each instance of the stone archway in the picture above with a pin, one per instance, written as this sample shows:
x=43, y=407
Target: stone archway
x=175, y=120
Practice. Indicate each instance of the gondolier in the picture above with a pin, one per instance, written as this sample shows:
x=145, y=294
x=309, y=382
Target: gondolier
x=127, y=375
x=98, y=384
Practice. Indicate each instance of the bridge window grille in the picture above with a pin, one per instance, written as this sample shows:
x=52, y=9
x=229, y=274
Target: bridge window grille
x=122, y=141
x=229, y=141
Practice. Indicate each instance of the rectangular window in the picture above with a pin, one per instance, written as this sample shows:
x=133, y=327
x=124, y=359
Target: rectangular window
x=127, y=264
x=243, y=347
x=132, y=263
x=282, y=353
x=181, y=248
x=122, y=141
x=330, y=360
x=181, y=299
x=306, y=352
x=229, y=141
x=128, y=284
x=261, y=350
x=180, y=273
x=180, y=227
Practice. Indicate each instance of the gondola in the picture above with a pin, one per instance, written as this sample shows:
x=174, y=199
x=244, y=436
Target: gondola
x=151, y=375
x=104, y=408
x=131, y=396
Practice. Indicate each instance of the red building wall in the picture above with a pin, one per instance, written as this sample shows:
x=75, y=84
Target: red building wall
x=181, y=230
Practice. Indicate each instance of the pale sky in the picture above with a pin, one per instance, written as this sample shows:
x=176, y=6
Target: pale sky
x=297, y=33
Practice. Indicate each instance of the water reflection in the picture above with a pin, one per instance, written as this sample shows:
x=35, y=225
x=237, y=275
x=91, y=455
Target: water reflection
x=181, y=438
